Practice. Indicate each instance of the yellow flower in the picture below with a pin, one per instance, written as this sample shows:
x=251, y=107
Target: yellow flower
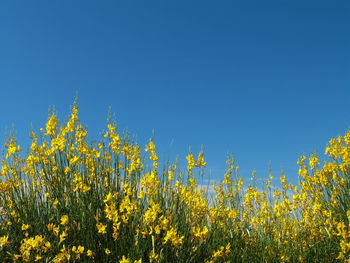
x=63, y=236
x=170, y=175
x=199, y=233
x=107, y=251
x=222, y=252
x=190, y=163
x=78, y=250
x=153, y=153
x=64, y=220
x=153, y=256
x=67, y=170
x=52, y=227
x=47, y=245
x=192, y=182
x=55, y=203
x=218, y=253
x=152, y=213
x=284, y=258
x=124, y=260
x=101, y=228
x=12, y=148
x=200, y=161
x=25, y=227
x=63, y=256
x=313, y=161
x=171, y=236
x=109, y=197
x=4, y=240
x=89, y=253
x=51, y=125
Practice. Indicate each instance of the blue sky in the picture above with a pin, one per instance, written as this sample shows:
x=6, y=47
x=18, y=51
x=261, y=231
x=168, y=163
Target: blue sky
x=265, y=80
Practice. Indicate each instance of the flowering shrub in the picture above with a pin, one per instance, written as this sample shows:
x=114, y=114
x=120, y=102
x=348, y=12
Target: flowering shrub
x=69, y=200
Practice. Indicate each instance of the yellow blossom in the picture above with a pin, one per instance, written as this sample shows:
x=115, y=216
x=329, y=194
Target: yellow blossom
x=101, y=228
x=63, y=236
x=4, y=240
x=25, y=227
x=124, y=260
x=64, y=220
x=51, y=125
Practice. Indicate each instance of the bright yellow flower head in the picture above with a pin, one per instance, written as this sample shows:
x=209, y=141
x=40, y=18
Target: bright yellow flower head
x=4, y=240
x=51, y=125
x=25, y=227
x=124, y=260
x=173, y=238
x=200, y=160
x=64, y=220
x=190, y=163
x=101, y=228
x=63, y=236
x=78, y=250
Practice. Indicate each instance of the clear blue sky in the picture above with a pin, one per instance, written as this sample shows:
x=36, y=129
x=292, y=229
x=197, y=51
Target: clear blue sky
x=266, y=80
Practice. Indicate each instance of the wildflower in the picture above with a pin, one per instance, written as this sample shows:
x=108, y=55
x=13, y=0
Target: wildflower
x=12, y=148
x=63, y=256
x=25, y=227
x=221, y=252
x=190, y=163
x=199, y=233
x=47, y=245
x=101, y=228
x=116, y=142
x=171, y=236
x=67, y=170
x=78, y=250
x=64, y=220
x=192, y=182
x=284, y=258
x=153, y=256
x=313, y=162
x=4, y=240
x=124, y=260
x=153, y=154
x=152, y=213
x=170, y=175
x=52, y=227
x=109, y=197
x=218, y=253
x=200, y=160
x=55, y=203
x=149, y=184
x=63, y=236
x=51, y=125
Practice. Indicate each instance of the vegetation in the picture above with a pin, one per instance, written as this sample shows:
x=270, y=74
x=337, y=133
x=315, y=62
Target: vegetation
x=70, y=200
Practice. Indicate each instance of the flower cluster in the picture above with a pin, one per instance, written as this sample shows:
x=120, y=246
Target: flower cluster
x=72, y=200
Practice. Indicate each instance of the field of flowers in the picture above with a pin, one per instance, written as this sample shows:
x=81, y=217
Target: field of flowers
x=71, y=200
